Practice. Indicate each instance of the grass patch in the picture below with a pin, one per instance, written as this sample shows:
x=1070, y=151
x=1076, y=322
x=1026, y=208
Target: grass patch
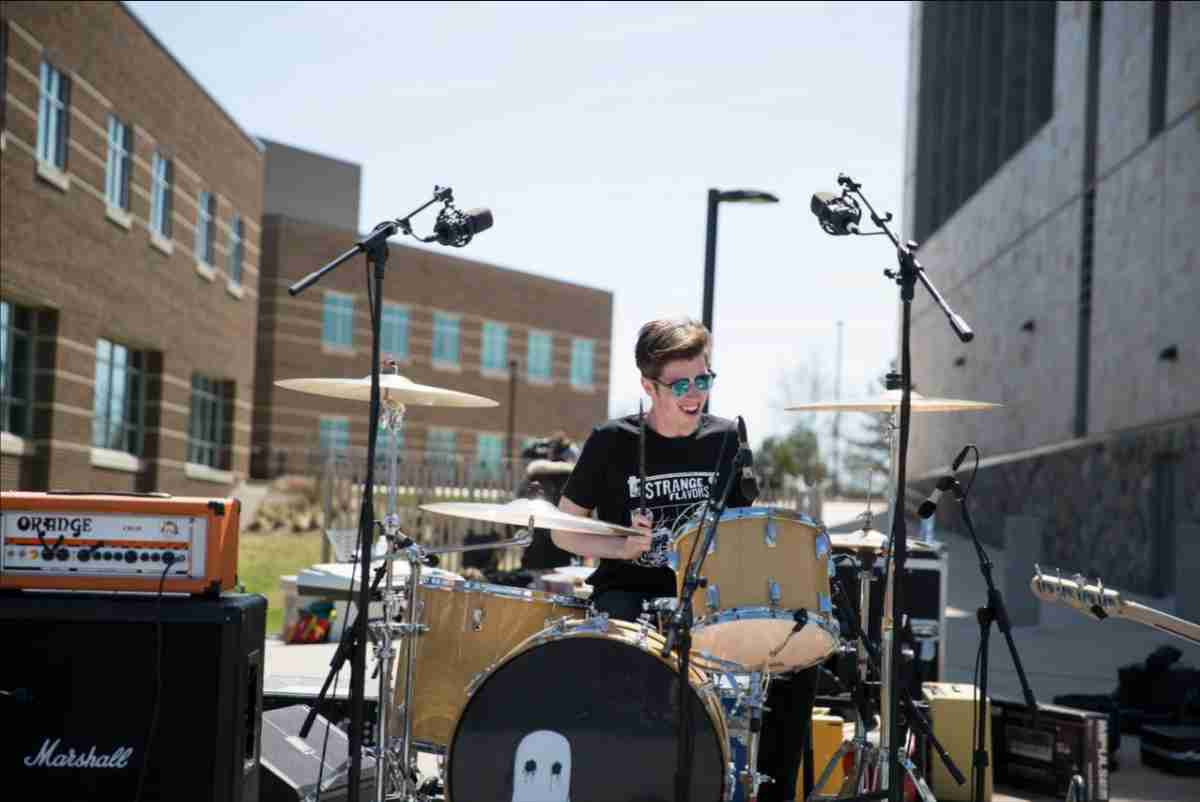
x=263, y=558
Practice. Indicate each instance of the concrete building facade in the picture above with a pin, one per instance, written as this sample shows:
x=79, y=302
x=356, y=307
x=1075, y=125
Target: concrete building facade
x=539, y=347
x=129, y=240
x=1052, y=169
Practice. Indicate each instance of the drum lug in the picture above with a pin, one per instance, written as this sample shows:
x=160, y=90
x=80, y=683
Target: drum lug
x=477, y=616
x=823, y=544
x=823, y=603
x=774, y=593
x=770, y=533
x=713, y=597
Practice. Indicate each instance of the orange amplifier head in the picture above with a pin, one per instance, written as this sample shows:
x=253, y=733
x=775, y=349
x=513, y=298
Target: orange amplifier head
x=118, y=542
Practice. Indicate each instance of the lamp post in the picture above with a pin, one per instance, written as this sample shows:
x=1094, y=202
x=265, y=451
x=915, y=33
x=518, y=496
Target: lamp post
x=715, y=198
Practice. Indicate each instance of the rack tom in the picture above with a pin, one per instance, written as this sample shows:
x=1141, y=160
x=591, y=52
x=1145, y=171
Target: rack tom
x=767, y=569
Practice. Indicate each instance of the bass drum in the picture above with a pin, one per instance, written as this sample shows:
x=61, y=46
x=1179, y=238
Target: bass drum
x=584, y=711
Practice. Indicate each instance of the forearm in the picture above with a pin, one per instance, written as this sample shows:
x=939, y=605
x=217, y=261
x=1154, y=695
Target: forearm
x=604, y=546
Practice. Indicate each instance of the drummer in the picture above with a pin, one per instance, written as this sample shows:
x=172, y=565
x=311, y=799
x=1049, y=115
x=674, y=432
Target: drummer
x=682, y=445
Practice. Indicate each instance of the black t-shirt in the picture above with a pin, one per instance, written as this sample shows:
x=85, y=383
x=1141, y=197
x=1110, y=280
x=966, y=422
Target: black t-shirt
x=678, y=475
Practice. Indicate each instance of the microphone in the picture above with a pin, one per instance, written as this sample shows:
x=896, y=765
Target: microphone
x=929, y=505
x=455, y=228
x=745, y=458
x=838, y=214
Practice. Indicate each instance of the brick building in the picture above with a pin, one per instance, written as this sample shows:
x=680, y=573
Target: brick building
x=1053, y=159
x=449, y=321
x=129, y=245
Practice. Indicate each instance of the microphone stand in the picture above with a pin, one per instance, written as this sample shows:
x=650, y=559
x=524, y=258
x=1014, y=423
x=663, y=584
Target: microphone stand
x=679, y=635
x=375, y=247
x=993, y=611
x=910, y=271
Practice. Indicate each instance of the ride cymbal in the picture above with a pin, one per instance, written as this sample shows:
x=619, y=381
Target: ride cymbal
x=890, y=400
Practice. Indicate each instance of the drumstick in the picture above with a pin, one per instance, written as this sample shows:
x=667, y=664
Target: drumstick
x=641, y=457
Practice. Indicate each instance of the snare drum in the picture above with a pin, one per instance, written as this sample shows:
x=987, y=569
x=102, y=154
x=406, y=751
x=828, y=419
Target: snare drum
x=765, y=565
x=472, y=625
x=585, y=711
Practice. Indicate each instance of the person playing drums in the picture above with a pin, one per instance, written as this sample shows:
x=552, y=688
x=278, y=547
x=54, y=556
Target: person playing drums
x=682, y=445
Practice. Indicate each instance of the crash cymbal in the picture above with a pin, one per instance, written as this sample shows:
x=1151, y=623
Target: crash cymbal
x=392, y=387
x=520, y=511
x=890, y=400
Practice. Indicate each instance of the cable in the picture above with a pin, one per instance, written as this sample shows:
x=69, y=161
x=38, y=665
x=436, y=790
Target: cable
x=157, y=704
x=975, y=470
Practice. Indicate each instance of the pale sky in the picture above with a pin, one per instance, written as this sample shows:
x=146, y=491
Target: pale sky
x=593, y=132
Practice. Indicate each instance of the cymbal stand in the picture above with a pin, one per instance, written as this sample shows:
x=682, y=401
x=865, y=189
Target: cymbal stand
x=866, y=756
x=403, y=774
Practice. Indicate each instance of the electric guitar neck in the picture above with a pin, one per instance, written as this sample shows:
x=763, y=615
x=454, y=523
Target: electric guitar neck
x=1101, y=602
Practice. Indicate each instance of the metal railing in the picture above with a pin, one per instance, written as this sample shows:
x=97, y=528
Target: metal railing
x=418, y=478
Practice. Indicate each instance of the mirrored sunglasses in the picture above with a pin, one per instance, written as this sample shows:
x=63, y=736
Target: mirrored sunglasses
x=680, y=387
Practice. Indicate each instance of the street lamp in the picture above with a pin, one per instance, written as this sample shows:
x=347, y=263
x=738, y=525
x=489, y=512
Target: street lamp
x=715, y=197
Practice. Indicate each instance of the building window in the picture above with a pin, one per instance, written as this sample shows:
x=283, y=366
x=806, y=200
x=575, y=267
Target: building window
x=539, y=358
x=334, y=434
x=54, y=104
x=986, y=87
x=161, y=175
x=445, y=339
x=206, y=228
x=440, y=445
x=116, y=172
x=118, y=411
x=338, y=320
x=581, y=362
x=235, y=250
x=489, y=455
x=495, y=346
x=210, y=427
x=393, y=331
x=16, y=368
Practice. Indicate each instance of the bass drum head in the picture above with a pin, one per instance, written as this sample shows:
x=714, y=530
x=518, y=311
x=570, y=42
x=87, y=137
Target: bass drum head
x=581, y=719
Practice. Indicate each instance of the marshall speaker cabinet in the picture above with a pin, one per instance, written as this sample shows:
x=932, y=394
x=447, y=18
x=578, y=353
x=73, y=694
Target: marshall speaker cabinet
x=85, y=677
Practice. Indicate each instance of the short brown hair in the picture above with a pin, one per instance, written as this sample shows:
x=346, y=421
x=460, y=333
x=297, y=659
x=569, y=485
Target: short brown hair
x=661, y=341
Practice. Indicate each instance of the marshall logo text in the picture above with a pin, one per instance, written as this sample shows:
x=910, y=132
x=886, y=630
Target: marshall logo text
x=49, y=757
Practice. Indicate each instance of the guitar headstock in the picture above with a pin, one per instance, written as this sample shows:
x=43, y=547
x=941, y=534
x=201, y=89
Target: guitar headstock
x=1094, y=599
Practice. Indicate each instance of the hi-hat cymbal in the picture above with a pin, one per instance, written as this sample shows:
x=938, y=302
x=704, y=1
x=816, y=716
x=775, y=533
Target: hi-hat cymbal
x=890, y=400
x=520, y=512
x=392, y=387
x=870, y=540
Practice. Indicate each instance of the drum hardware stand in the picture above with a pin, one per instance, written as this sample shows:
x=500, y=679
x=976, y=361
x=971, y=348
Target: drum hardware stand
x=866, y=755
x=375, y=247
x=679, y=631
x=910, y=271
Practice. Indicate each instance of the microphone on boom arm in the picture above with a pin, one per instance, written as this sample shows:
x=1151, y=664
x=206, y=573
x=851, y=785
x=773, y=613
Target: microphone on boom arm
x=838, y=214
x=929, y=506
x=455, y=228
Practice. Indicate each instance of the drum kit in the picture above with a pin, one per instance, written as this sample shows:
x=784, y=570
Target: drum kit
x=532, y=695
